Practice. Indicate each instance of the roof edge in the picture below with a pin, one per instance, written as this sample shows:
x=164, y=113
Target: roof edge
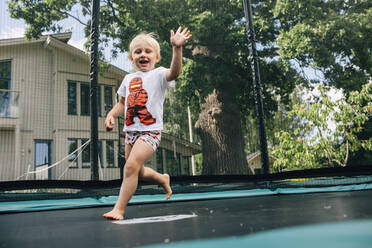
x=63, y=37
x=59, y=41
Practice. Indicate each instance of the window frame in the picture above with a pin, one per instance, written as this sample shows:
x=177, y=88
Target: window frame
x=5, y=106
x=84, y=153
x=72, y=83
x=76, y=164
x=112, y=149
x=107, y=106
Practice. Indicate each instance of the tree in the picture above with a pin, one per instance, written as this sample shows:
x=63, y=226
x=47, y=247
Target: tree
x=333, y=37
x=363, y=156
x=317, y=144
x=216, y=80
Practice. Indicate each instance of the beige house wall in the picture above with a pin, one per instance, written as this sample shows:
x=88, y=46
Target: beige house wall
x=40, y=74
x=33, y=81
x=66, y=126
x=7, y=154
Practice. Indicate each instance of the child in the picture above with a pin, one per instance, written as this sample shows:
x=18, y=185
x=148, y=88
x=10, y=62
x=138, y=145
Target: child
x=142, y=95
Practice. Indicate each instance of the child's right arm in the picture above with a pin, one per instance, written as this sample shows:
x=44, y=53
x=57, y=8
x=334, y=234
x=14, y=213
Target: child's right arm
x=117, y=110
x=177, y=39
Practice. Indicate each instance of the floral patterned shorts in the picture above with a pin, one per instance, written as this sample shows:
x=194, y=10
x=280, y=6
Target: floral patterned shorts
x=150, y=137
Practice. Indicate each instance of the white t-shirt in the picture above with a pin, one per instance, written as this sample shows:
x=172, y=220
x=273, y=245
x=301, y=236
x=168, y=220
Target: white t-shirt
x=153, y=84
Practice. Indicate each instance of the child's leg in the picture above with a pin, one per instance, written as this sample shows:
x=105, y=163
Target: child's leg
x=149, y=174
x=153, y=140
x=137, y=156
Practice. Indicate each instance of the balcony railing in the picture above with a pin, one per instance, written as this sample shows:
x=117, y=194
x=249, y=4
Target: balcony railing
x=9, y=107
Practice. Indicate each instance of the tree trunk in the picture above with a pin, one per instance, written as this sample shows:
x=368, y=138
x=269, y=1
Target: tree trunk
x=219, y=127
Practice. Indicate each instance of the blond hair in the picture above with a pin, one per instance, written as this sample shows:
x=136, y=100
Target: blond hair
x=149, y=38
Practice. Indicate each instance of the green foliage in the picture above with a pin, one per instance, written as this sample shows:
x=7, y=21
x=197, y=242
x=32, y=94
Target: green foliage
x=198, y=164
x=317, y=143
x=175, y=118
x=219, y=42
x=331, y=36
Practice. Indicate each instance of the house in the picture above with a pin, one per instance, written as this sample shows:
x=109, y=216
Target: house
x=254, y=162
x=45, y=115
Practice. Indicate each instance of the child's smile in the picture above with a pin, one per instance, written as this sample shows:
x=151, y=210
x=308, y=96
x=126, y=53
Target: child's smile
x=143, y=56
x=143, y=61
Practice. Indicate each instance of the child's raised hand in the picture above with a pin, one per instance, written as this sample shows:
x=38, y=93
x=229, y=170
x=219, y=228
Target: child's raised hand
x=180, y=37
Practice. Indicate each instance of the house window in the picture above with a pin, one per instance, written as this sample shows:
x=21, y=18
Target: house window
x=110, y=156
x=72, y=146
x=5, y=95
x=42, y=158
x=85, y=155
x=107, y=99
x=84, y=99
x=71, y=98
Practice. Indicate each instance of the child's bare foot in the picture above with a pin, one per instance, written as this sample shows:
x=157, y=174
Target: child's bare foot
x=166, y=186
x=114, y=214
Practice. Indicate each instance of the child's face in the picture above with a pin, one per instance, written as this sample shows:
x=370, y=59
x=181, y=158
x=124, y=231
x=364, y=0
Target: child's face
x=143, y=56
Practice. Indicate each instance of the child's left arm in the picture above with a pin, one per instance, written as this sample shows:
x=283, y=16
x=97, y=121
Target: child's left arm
x=177, y=39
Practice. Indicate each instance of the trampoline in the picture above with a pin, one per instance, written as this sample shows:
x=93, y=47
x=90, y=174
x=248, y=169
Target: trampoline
x=219, y=198
x=324, y=212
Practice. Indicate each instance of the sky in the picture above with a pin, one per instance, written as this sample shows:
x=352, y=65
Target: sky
x=13, y=28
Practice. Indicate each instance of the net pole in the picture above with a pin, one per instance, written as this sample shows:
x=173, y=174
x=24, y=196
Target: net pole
x=191, y=140
x=253, y=57
x=93, y=90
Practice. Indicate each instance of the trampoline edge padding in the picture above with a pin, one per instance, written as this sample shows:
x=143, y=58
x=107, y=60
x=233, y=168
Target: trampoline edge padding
x=40, y=205
x=344, y=234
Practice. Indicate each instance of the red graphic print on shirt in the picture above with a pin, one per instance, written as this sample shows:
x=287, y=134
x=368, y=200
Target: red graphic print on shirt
x=136, y=104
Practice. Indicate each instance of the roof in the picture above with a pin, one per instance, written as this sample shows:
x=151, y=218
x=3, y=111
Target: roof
x=63, y=37
x=193, y=146
x=254, y=155
x=59, y=41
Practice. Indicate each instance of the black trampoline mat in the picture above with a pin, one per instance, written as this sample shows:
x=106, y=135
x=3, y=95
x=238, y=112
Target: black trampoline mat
x=215, y=218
